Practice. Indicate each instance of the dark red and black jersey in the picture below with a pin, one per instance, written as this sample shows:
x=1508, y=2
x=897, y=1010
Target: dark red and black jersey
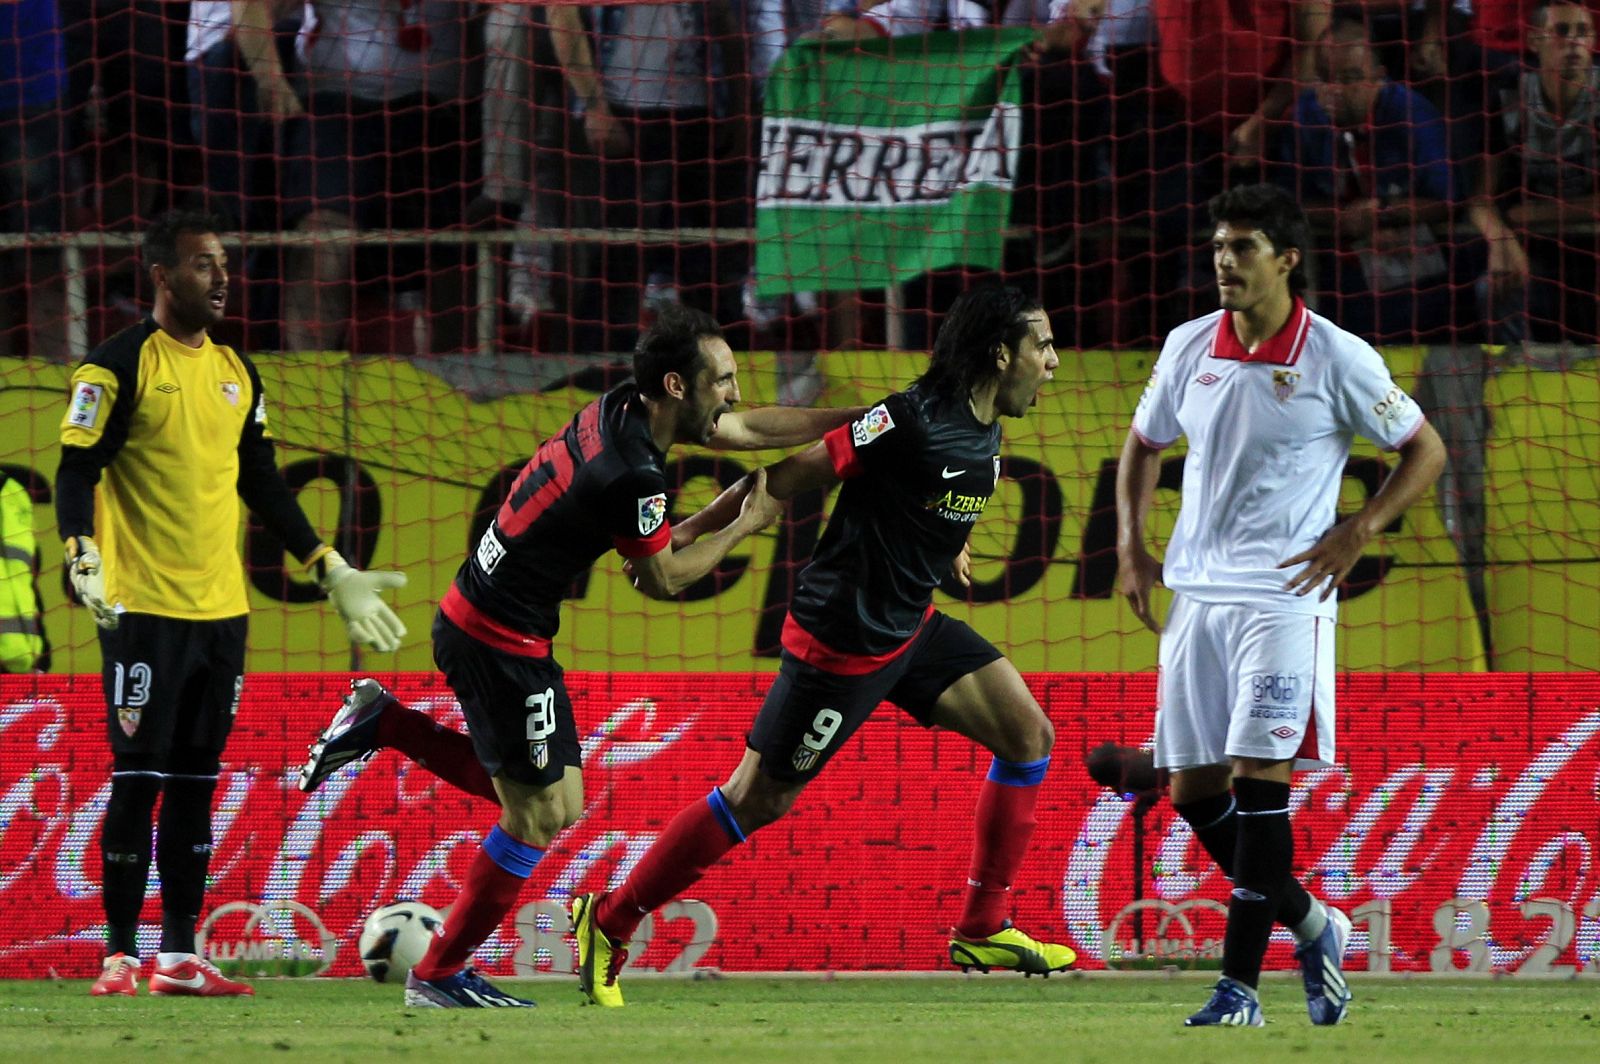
x=918, y=471
x=595, y=485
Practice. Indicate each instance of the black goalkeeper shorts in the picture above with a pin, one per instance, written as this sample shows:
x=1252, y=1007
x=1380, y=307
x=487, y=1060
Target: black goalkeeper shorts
x=171, y=685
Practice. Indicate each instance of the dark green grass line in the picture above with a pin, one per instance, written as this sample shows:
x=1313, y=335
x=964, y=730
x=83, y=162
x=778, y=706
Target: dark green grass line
x=798, y=1021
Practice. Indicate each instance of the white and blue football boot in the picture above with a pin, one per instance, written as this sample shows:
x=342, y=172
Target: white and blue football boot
x=1232, y=1004
x=1322, y=970
x=464, y=990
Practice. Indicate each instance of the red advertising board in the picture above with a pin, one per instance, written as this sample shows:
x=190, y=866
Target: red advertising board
x=1462, y=825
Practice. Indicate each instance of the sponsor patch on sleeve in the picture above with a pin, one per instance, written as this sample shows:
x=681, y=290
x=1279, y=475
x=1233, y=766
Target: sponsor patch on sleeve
x=85, y=405
x=1392, y=407
x=873, y=423
x=652, y=511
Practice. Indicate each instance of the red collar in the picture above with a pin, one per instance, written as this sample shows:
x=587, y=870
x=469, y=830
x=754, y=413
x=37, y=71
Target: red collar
x=1283, y=349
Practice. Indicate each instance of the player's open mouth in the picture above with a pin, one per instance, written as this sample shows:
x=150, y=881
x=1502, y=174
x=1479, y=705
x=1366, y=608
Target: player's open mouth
x=218, y=298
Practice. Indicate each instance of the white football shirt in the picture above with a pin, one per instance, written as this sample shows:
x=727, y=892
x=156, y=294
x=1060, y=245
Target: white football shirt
x=1269, y=433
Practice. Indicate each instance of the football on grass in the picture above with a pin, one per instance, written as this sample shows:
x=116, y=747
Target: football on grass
x=395, y=937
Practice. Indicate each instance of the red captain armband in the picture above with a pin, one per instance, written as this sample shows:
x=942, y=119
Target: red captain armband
x=654, y=543
x=842, y=451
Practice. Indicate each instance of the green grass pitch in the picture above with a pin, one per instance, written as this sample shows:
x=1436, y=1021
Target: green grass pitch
x=956, y=1020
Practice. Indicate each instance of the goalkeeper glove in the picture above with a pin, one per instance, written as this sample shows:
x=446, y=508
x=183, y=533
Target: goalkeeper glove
x=89, y=580
x=367, y=617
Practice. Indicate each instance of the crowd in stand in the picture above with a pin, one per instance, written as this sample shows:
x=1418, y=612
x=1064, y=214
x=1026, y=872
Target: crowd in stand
x=1447, y=151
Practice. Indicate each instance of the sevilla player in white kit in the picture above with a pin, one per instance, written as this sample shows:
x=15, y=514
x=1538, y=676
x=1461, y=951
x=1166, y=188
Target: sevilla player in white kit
x=1269, y=396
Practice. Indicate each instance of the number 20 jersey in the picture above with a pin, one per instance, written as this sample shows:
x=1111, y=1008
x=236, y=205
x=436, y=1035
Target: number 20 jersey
x=595, y=485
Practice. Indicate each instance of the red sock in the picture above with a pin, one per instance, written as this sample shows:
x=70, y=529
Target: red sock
x=488, y=894
x=694, y=841
x=1004, y=824
x=443, y=751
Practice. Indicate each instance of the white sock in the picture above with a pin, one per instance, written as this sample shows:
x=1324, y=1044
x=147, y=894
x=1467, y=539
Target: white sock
x=167, y=960
x=1308, y=929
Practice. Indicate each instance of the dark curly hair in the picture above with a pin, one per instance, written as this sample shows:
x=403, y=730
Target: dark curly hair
x=160, y=244
x=1276, y=214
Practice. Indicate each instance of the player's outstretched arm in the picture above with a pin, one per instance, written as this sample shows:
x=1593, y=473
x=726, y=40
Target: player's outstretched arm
x=1137, y=571
x=665, y=573
x=368, y=619
x=355, y=594
x=1327, y=564
x=778, y=426
x=811, y=468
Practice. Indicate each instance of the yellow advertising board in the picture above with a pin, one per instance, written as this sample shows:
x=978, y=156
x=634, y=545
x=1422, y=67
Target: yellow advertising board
x=410, y=461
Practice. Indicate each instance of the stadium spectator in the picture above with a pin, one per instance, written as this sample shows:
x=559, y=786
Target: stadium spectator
x=1503, y=25
x=917, y=471
x=1539, y=196
x=1246, y=679
x=1065, y=128
x=33, y=200
x=240, y=96
x=665, y=100
x=1235, y=68
x=595, y=486
x=122, y=57
x=1367, y=158
x=524, y=115
x=773, y=25
x=381, y=147
x=172, y=428
x=1238, y=67
x=1452, y=71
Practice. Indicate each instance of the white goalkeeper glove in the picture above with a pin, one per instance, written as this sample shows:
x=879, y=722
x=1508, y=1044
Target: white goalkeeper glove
x=367, y=617
x=89, y=579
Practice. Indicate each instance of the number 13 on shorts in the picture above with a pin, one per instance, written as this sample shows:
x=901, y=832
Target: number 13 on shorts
x=541, y=725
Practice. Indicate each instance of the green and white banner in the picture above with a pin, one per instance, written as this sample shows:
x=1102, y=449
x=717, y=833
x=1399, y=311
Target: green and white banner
x=884, y=159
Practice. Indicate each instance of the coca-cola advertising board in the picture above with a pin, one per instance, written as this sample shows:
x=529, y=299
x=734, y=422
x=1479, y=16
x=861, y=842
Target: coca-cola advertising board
x=1460, y=829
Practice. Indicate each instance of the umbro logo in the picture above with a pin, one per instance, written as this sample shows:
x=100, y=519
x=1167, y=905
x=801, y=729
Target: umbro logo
x=1207, y=379
x=167, y=387
x=949, y=473
x=1284, y=732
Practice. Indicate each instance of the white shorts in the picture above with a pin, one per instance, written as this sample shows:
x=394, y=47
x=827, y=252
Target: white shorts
x=1237, y=682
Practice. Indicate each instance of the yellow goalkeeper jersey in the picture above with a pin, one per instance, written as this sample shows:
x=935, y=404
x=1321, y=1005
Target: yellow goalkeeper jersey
x=165, y=424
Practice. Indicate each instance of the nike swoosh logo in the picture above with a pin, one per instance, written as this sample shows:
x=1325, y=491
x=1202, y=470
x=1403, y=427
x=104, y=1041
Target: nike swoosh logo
x=194, y=982
x=949, y=473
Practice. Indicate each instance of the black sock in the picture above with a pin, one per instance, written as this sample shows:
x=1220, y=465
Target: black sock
x=125, y=858
x=1215, y=822
x=1263, y=862
x=183, y=854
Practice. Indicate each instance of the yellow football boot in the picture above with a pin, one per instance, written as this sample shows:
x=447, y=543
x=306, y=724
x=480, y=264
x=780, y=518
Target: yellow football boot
x=1010, y=948
x=599, y=958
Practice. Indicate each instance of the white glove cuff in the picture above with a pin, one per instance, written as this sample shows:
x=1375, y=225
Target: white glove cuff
x=331, y=569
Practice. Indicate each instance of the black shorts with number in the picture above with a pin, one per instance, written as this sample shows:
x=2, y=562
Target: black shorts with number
x=172, y=690
x=809, y=713
x=517, y=709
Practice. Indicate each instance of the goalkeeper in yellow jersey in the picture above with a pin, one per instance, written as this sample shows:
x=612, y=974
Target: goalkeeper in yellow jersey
x=173, y=429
